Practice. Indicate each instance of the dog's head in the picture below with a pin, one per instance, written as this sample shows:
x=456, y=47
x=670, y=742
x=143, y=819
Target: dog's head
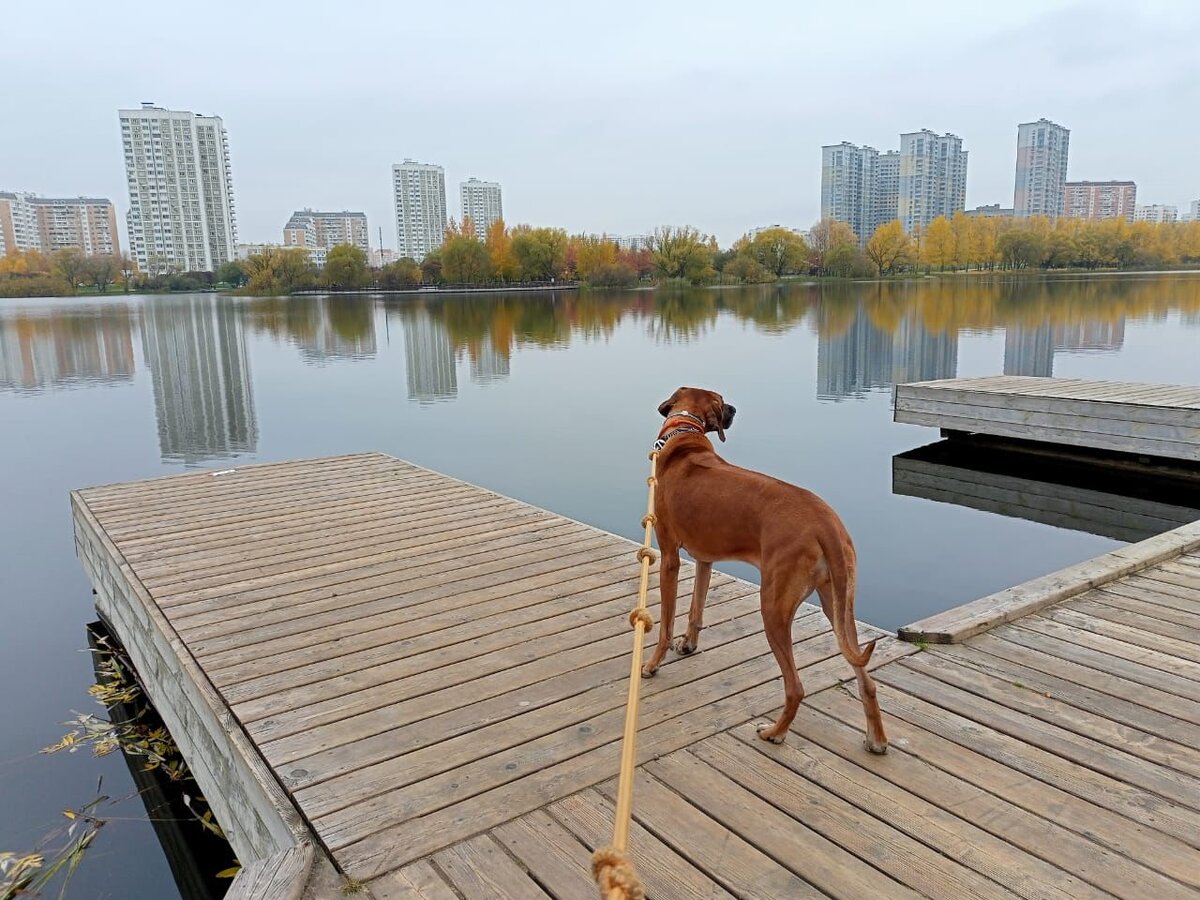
x=708, y=405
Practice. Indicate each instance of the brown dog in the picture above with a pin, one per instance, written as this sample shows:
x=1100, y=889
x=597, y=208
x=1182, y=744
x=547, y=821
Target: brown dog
x=717, y=511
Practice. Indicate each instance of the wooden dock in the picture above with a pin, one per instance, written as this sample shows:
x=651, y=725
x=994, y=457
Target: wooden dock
x=1143, y=419
x=379, y=673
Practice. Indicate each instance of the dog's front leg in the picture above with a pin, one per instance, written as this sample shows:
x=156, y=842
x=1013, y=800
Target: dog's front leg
x=668, y=579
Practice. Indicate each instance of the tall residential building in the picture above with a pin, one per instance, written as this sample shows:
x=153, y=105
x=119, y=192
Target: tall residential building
x=859, y=186
x=322, y=230
x=419, y=190
x=30, y=222
x=1194, y=211
x=18, y=223
x=933, y=178
x=181, y=211
x=1100, y=200
x=481, y=204
x=1155, y=212
x=1041, y=169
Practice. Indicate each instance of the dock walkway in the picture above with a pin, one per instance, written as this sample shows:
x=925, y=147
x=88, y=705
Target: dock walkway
x=382, y=673
x=1144, y=419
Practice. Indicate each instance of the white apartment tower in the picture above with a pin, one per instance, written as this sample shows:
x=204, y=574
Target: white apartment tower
x=1041, y=169
x=859, y=186
x=181, y=211
x=420, y=195
x=933, y=178
x=481, y=204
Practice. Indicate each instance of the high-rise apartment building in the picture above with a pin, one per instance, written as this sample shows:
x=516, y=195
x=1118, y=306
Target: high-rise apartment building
x=1155, y=212
x=18, y=222
x=933, y=178
x=47, y=224
x=859, y=186
x=1194, y=211
x=181, y=209
x=1041, y=169
x=419, y=190
x=481, y=204
x=323, y=230
x=1100, y=200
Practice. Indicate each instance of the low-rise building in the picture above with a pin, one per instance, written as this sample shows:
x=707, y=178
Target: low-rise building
x=992, y=211
x=1156, y=212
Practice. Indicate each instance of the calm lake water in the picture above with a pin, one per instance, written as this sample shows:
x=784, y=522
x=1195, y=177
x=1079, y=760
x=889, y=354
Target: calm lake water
x=550, y=399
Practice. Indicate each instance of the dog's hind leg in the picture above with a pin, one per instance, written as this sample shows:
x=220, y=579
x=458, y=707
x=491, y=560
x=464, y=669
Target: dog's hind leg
x=687, y=643
x=668, y=579
x=876, y=740
x=779, y=605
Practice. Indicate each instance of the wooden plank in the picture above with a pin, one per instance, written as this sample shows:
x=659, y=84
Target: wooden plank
x=1092, y=673
x=1073, y=750
x=551, y=780
x=376, y=781
x=1035, y=402
x=1140, y=614
x=1108, y=720
x=279, y=877
x=664, y=872
x=1063, y=817
x=1182, y=650
x=1082, y=418
x=1184, y=450
x=820, y=861
x=481, y=870
x=976, y=617
x=485, y=699
x=1168, y=667
x=874, y=842
x=846, y=774
x=1147, y=596
x=376, y=732
x=554, y=856
x=419, y=881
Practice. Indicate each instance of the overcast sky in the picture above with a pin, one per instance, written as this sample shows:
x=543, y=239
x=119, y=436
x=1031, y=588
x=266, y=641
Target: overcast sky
x=605, y=116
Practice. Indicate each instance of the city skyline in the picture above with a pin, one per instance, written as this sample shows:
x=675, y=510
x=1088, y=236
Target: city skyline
x=568, y=152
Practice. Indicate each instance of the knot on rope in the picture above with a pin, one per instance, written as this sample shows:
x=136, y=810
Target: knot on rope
x=652, y=481
x=615, y=875
x=640, y=615
x=649, y=519
x=647, y=554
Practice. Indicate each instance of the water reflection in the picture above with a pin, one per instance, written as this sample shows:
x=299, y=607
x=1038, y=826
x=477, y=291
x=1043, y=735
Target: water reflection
x=325, y=329
x=429, y=358
x=42, y=350
x=1069, y=490
x=195, y=348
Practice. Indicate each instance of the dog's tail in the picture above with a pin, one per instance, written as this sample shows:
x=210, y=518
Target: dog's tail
x=842, y=582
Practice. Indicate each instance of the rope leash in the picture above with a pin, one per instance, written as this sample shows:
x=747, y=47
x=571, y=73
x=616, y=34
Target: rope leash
x=613, y=872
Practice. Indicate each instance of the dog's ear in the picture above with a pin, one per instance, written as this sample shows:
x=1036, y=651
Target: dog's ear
x=727, y=412
x=664, y=408
x=716, y=418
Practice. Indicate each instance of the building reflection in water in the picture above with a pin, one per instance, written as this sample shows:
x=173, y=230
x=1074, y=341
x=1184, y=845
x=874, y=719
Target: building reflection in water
x=488, y=364
x=195, y=348
x=1030, y=350
x=62, y=349
x=429, y=358
x=864, y=356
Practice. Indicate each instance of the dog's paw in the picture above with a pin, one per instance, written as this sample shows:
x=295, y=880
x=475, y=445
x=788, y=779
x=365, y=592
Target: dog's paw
x=649, y=671
x=761, y=730
x=876, y=747
x=683, y=646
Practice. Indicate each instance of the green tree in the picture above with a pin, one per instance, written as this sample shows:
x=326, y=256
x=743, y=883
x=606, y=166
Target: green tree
x=539, y=253
x=465, y=260
x=779, y=251
x=826, y=236
x=232, y=273
x=401, y=274
x=747, y=269
x=345, y=268
x=683, y=252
